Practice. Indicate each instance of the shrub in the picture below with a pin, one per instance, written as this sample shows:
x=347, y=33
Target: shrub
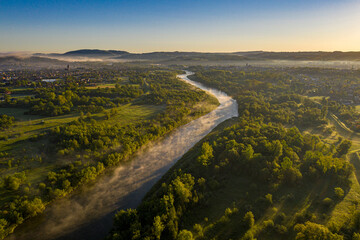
x=185, y=235
x=339, y=193
x=327, y=202
x=249, y=219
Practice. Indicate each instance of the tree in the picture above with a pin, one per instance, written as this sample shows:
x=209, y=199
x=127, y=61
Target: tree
x=314, y=231
x=327, y=202
x=339, y=193
x=13, y=182
x=3, y=225
x=182, y=187
x=343, y=148
x=33, y=208
x=107, y=115
x=127, y=224
x=248, y=152
x=206, y=154
x=249, y=219
x=113, y=112
x=268, y=197
x=291, y=176
x=199, y=232
x=356, y=236
x=286, y=163
x=185, y=235
x=158, y=227
x=5, y=121
x=277, y=149
x=248, y=236
x=66, y=184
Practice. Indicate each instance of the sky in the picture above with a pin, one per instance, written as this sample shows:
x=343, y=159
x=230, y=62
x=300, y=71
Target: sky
x=180, y=25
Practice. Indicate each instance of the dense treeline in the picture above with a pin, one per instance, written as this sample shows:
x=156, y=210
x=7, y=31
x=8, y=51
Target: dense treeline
x=5, y=121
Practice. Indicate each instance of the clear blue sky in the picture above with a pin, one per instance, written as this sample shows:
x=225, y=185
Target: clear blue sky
x=188, y=25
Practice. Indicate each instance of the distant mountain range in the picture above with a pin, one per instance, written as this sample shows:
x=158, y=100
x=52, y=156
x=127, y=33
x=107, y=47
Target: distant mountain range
x=236, y=56
x=175, y=57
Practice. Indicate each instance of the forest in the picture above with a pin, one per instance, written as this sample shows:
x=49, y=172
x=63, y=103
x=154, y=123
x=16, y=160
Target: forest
x=263, y=175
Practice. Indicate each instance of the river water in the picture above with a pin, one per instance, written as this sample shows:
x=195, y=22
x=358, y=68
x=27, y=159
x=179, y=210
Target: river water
x=88, y=214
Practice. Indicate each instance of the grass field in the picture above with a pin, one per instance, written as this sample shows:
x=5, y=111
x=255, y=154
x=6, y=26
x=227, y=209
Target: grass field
x=27, y=126
x=21, y=96
x=103, y=85
x=18, y=113
x=317, y=98
x=357, y=107
x=343, y=211
x=111, y=85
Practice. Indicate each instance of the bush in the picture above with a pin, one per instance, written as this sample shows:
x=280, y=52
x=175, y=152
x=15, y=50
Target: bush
x=280, y=218
x=356, y=236
x=6, y=121
x=311, y=230
x=185, y=235
x=249, y=219
x=269, y=225
x=198, y=230
x=280, y=229
x=327, y=202
x=248, y=236
x=339, y=193
x=13, y=182
x=268, y=197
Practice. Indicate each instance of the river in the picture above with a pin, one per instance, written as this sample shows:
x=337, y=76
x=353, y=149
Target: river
x=88, y=213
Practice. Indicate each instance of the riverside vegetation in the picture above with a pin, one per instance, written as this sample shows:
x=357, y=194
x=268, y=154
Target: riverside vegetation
x=58, y=135
x=259, y=176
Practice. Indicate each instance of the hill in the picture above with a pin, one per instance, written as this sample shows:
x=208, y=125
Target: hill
x=95, y=52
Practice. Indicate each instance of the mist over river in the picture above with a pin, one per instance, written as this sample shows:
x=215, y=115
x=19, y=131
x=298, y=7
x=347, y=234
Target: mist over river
x=88, y=213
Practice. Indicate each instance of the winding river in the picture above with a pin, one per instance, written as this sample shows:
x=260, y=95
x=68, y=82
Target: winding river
x=88, y=214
